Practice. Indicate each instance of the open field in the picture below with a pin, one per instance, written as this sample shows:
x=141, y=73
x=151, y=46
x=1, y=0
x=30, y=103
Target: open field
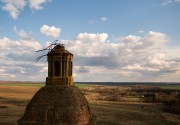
x=109, y=108
x=174, y=87
x=39, y=84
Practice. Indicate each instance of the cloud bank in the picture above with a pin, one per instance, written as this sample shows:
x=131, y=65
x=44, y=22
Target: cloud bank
x=140, y=58
x=96, y=58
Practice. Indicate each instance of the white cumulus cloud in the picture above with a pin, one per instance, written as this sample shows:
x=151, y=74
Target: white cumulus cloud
x=37, y=4
x=13, y=7
x=22, y=34
x=156, y=38
x=91, y=37
x=50, y=31
x=17, y=58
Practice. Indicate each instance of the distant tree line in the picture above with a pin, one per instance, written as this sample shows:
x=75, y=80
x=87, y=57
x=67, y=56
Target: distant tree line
x=146, y=93
x=171, y=98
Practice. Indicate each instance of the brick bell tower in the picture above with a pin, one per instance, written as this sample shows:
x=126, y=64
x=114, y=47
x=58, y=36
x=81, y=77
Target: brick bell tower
x=59, y=66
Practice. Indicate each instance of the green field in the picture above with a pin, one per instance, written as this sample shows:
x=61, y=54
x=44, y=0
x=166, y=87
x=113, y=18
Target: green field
x=40, y=84
x=80, y=85
x=175, y=87
x=83, y=85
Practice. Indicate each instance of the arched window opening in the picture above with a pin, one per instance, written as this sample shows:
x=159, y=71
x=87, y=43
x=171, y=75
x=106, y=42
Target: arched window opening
x=57, y=68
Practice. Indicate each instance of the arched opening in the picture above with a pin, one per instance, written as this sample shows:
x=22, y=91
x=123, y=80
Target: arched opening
x=57, y=68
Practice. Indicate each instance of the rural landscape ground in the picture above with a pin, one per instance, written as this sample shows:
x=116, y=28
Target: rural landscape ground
x=112, y=105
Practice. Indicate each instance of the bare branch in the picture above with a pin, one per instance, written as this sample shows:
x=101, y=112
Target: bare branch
x=38, y=58
x=50, y=47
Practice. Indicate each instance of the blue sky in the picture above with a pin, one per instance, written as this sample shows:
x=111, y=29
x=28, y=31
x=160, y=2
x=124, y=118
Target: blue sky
x=112, y=40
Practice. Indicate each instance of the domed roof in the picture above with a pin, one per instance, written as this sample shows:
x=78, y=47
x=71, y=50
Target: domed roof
x=57, y=105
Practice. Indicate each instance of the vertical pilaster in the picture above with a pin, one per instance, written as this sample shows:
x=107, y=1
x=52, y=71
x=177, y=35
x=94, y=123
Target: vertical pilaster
x=71, y=68
x=69, y=71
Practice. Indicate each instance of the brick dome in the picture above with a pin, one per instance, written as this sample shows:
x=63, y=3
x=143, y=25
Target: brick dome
x=67, y=107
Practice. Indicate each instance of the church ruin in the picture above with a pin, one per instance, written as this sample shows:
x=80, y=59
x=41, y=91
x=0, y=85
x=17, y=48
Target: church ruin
x=59, y=102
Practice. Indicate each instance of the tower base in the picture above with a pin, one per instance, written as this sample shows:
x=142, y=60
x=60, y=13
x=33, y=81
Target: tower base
x=59, y=81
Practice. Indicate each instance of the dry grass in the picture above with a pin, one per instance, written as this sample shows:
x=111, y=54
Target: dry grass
x=127, y=111
x=118, y=113
x=18, y=92
x=13, y=100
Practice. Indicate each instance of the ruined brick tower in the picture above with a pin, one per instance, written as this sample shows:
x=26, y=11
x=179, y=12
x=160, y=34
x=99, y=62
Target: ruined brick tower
x=59, y=102
x=59, y=66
